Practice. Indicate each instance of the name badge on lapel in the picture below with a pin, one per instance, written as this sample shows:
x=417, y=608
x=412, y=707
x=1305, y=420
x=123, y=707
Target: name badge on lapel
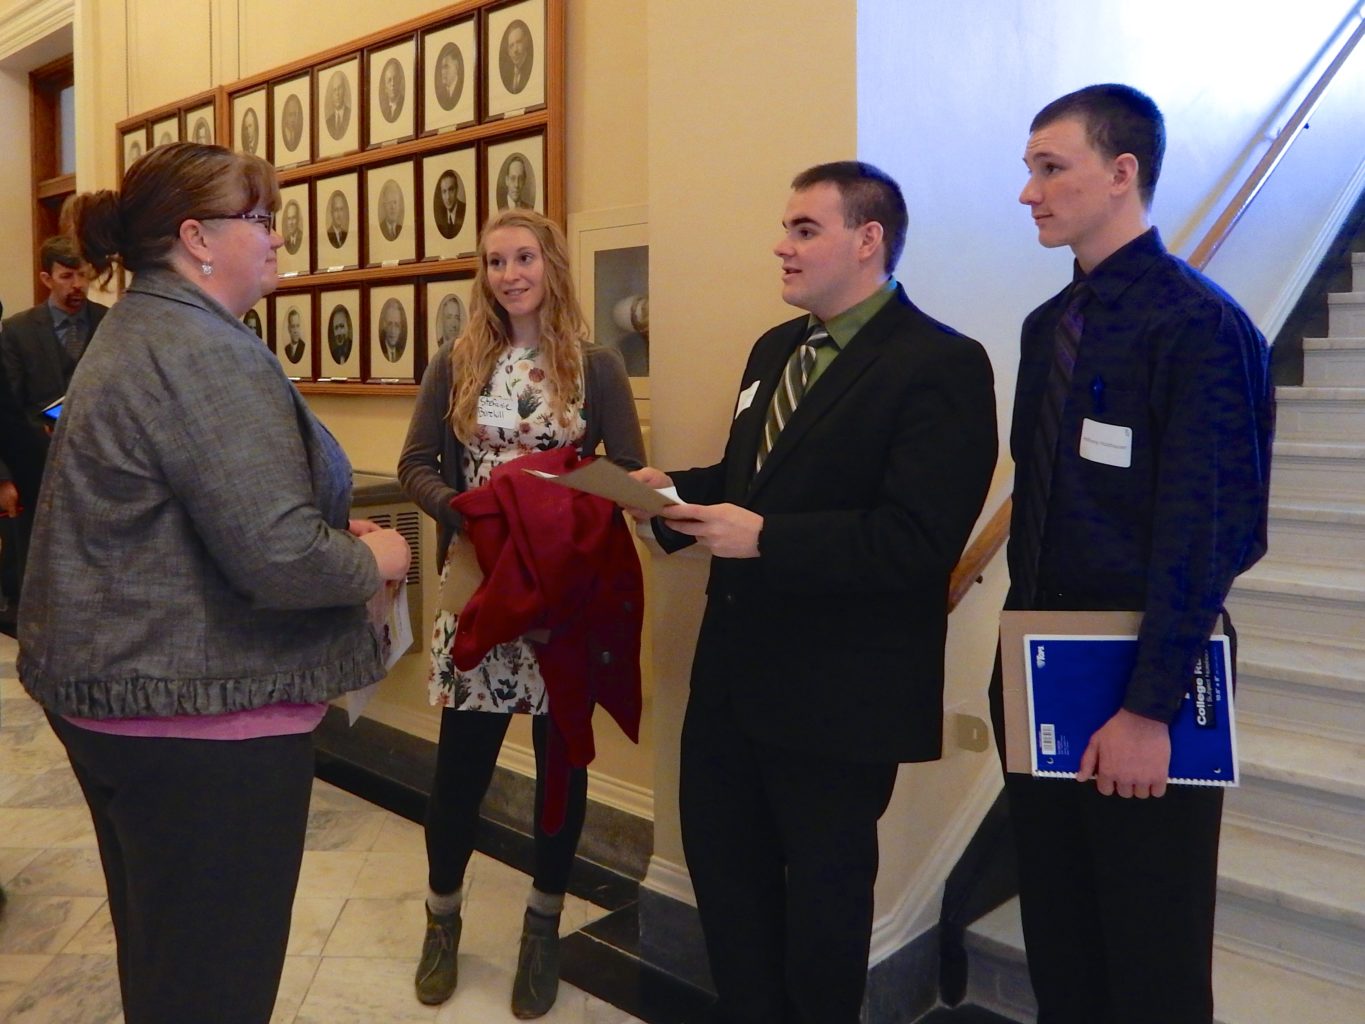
x=1106, y=443
x=746, y=398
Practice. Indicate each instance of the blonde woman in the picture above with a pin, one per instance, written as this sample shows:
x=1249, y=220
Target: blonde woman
x=521, y=377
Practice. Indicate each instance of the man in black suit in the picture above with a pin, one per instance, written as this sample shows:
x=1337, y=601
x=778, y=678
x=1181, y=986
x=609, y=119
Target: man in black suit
x=449, y=205
x=40, y=348
x=22, y=450
x=861, y=448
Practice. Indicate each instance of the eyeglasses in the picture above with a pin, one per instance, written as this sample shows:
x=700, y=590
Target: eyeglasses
x=265, y=220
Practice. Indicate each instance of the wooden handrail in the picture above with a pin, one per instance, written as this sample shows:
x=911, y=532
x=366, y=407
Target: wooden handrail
x=996, y=532
x=979, y=554
x=1232, y=213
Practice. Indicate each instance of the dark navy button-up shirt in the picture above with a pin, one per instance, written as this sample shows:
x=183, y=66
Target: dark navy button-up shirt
x=1171, y=357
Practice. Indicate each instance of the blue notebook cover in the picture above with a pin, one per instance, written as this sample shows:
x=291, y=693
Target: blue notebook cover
x=1076, y=683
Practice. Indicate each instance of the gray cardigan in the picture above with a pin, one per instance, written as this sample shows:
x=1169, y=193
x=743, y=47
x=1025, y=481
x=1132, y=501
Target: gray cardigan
x=429, y=468
x=190, y=553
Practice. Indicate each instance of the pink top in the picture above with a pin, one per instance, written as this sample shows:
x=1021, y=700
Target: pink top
x=271, y=720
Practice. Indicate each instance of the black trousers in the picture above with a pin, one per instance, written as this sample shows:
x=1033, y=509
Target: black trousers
x=782, y=849
x=466, y=754
x=1117, y=898
x=201, y=842
x=1117, y=895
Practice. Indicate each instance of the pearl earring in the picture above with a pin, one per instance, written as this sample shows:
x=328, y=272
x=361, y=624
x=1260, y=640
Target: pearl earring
x=207, y=268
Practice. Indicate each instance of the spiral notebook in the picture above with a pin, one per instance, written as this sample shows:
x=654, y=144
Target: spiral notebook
x=1074, y=681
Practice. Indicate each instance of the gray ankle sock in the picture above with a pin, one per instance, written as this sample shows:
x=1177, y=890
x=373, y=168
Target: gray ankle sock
x=546, y=904
x=445, y=904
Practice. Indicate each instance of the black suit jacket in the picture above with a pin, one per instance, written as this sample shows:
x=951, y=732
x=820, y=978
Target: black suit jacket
x=37, y=366
x=449, y=224
x=832, y=639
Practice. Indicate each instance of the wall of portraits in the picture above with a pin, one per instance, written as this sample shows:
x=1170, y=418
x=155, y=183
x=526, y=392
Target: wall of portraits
x=392, y=151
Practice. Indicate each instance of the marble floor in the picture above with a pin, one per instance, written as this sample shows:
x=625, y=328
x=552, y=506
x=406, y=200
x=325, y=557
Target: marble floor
x=357, y=923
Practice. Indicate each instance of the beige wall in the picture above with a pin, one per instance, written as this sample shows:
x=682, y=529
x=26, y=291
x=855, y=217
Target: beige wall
x=738, y=103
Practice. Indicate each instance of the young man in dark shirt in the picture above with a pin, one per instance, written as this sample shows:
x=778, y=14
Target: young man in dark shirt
x=1141, y=440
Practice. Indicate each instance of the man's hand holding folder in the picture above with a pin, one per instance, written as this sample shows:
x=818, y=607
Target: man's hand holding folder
x=1128, y=756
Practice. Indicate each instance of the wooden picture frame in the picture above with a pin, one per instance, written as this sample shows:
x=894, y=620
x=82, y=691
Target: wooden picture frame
x=337, y=102
x=446, y=305
x=450, y=78
x=291, y=104
x=201, y=125
x=295, y=226
x=514, y=58
x=249, y=123
x=450, y=194
x=514, y=174
x=338, y=226
x=392, y=78
x=392, y=222
x=293, y=337
x=342, y=337
x=165, y=131
x=393, y=334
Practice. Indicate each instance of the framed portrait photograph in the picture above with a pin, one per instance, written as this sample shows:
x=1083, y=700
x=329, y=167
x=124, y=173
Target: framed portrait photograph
x=450, y=62
x=451, y=208
x=339, y=319
x=296, y=219
x=393, y=91
x=447, y=310
x=291, y=102
x=257, y=318
x=515, y=63
x=337, y=227
x=165, y=131
x=248, y=123
x=199, y=125
x=391, y=218
x=134, y=146
x=294, y=334
x=393, y=340
x=514, y=172
x=338, y=88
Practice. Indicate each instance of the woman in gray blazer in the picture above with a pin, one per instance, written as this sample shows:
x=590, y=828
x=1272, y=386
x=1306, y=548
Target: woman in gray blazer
x=196, y=591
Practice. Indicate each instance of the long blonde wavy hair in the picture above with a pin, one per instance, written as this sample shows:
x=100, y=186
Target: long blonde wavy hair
x=563, y=330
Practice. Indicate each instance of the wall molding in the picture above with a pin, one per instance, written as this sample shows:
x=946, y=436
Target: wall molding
x=27, y=23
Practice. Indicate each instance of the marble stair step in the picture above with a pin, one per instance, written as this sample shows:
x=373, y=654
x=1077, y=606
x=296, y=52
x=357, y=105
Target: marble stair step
x=1317, y=470
x=1319, y=413
x=1247, y=988
x=1299, y=784
x=1325, y=532
x=1346, y=314
x=1288, y=680
x=1312, y=601
x=1301, y=902
x=1334, y=362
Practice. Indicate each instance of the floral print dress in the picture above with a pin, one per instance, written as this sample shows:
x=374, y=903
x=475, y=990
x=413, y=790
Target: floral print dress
x=508, y=679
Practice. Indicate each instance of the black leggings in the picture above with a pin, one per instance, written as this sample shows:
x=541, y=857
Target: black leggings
x=466, y=755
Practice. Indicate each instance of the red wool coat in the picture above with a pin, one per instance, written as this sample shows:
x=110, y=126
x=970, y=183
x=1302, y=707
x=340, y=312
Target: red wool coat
x=562, y=561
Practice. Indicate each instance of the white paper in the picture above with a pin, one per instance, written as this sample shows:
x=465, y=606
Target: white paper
x=1106, y=443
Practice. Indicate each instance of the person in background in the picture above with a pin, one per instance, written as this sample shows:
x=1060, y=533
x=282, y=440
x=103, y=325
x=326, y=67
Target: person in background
x=40, y=348
x=1141, y=439
x=520, y=378
x=197, y=592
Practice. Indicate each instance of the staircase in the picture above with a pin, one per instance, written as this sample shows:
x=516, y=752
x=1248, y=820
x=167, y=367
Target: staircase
x=1290, y=943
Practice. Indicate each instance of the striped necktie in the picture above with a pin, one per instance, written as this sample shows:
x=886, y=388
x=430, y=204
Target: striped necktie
x=790, y=389
x=1033, y=492
x=73, y=338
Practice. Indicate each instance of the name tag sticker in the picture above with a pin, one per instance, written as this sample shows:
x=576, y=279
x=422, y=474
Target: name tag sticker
x=496, y=411
x=746, y=398
x=1107, y=443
